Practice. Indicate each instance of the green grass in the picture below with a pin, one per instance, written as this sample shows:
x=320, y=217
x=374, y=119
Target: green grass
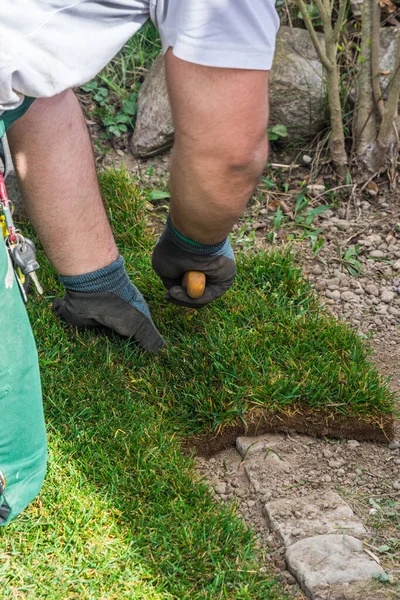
x=121, y=514
x=267, y=344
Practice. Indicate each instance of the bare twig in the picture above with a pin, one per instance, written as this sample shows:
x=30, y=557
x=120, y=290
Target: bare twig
x=338, y=187
x=279, y=166
x=340, y=19
x=288, y=14
x=313, y=34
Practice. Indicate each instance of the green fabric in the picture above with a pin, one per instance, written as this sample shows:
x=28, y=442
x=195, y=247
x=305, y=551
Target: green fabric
x=8, y=117
x=23, y=451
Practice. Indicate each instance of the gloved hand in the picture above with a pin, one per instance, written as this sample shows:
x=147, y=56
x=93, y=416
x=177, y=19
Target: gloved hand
x=108, y=298
x=174, y=255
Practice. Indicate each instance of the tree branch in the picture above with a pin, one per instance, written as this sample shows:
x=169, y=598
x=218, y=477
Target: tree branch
x=313, y=35
x=340, y=20
x=325, y=13
x=375, y=48
x=365, y=129
x=387, y=126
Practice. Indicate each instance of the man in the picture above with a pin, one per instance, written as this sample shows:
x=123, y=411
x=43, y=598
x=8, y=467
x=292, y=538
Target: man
x=217, y=57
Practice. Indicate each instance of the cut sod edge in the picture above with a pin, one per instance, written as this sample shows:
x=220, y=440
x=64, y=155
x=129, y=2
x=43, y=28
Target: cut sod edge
x=319, y=424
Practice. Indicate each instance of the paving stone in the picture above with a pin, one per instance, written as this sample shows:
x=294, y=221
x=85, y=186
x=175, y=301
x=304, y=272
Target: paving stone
x=315, y=514
x=251, y=445
x=331, y=567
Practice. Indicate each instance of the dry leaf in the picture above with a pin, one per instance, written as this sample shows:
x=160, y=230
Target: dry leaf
x=387, y=5
x=372, y=187
x=285, y=208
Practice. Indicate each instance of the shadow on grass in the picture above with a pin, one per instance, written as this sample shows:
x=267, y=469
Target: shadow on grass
x=120, y=509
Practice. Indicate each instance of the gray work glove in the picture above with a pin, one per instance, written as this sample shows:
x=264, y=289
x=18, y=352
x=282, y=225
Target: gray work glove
x=174, y=255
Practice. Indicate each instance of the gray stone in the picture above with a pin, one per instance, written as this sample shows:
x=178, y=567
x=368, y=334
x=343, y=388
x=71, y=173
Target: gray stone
x=296, y=87
x=396, y=485
x=396, y=265
x=288, y=578
x=353, y=443
x=349, y=297
x=290, y=517
x=154, y=130
x=372, y=289
x=394, y=445
x=328, y=214
x=377, y=254
x=220, y=488
x=335, y=294
x=387, y=296
x=316, y=270
x=321, y=285
x=389, y=40
x=296, y=84
x=324, y=564
x=327, y=453
x=251, y=445
x=241, y=492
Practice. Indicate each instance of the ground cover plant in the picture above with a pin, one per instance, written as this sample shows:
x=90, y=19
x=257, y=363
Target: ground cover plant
x=121, y=513
x=111, y=97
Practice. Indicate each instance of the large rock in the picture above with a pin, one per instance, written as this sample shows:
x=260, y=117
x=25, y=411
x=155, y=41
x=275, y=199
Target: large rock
x=296, y=86
x=154, y=130
x=389, y=41
x=296, y=95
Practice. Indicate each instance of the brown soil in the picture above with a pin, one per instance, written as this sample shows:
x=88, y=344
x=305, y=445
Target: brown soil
x=306, y=422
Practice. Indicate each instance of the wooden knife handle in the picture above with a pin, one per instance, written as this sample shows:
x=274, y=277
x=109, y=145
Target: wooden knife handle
x=195, y=283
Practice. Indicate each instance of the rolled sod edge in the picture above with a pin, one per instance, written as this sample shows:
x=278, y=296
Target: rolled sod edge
x=318, y=424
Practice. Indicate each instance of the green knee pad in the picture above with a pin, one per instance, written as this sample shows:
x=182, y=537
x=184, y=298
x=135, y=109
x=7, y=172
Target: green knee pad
x=8, y=117
x=23, y=451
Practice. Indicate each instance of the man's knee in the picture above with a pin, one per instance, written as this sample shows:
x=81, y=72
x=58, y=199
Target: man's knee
x=245, y=159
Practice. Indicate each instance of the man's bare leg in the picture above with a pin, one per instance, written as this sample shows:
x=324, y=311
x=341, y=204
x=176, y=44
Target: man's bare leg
x=220, y=150
x=220, y=117
x=53, y=157
x=54, y=161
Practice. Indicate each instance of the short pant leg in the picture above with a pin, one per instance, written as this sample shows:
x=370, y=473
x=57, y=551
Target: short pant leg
x=49, y=46
x=23, y=451
x=236, y=34
x=9, y=116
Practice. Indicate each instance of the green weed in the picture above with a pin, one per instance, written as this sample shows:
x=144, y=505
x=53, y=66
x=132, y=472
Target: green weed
x=115, y=90
x=348, y=258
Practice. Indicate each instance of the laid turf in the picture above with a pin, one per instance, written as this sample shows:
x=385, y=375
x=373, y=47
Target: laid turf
x=267, y=345
x=121, y=515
